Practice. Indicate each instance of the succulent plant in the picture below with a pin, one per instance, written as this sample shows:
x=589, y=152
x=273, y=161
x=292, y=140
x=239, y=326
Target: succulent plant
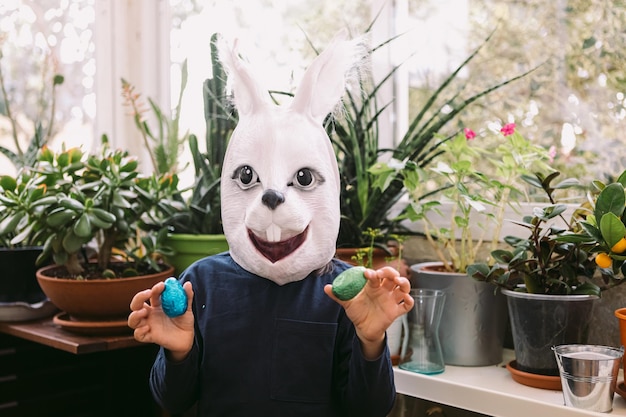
x=74, y=204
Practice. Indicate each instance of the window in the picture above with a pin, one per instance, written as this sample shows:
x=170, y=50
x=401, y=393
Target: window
x=272, y=34
x=573, y=101
x=40, y=40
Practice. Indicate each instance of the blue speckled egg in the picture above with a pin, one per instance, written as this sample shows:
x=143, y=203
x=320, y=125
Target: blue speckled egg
x=173, y=298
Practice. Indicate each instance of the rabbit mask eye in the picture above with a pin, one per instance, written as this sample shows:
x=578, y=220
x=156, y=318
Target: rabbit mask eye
x=246, y=177
x=306, y=179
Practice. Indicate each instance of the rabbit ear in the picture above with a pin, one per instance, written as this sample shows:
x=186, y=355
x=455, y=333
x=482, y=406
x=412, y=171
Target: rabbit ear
x=324, y=82
x=249, y=94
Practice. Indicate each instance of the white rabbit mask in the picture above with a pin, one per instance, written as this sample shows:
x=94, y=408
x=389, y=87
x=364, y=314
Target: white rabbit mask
x=280, y=181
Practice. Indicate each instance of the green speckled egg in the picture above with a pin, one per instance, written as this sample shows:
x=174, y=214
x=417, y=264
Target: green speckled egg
x=349, y=283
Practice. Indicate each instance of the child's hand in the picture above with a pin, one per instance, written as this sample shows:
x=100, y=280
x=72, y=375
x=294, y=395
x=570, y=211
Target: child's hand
x=384, y=298
x=152, y=325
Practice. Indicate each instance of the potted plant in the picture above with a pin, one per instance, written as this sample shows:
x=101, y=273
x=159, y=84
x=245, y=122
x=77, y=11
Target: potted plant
x=477, y=184
x=192, y=216
x=86, y=210
x=165, y=141
x=370, y=197
x=604, y=229
x=551, y=276
x=21, y=297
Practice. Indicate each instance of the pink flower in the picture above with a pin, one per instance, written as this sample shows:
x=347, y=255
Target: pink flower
x=508, y=129
x=552, y=153
x=469, y=133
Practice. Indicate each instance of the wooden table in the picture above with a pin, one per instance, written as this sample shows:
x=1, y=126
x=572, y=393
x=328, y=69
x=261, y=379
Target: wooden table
x=48, y=370
x=49, y=334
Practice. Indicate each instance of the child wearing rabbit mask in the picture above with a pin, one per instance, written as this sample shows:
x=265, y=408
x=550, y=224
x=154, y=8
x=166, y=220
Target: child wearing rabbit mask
x=263, y=334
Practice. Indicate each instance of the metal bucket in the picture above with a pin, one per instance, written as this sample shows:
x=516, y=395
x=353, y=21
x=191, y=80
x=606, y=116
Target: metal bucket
x=588, y=375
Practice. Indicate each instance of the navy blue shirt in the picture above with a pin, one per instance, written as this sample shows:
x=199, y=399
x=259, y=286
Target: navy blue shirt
x=267, y=350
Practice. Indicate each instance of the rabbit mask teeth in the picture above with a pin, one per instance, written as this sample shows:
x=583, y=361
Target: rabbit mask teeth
x=276, y=250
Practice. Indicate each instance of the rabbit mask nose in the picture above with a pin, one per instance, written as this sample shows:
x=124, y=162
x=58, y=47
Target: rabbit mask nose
x=272, y=198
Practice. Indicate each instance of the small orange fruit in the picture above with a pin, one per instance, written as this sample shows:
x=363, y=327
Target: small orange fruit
x=603, y=260
x=620, y=246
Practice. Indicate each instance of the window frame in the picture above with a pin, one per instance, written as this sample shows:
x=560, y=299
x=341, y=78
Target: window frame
x=132, y=42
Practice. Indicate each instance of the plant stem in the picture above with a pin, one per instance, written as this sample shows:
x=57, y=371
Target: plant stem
x=9, y=115
x=436, y=248
x=52, y=110
x=499, y=219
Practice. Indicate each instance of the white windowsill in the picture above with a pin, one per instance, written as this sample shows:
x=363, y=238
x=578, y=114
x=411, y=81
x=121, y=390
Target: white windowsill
x=491, y=390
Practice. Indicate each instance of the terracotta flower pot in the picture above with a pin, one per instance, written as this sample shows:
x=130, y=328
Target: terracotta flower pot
x=97, y=299
x=620, y=313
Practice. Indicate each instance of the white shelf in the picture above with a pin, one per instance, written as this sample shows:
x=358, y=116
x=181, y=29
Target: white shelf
x=491, y=390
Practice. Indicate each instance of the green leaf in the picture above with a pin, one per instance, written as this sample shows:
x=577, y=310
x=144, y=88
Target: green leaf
x=588, y=288
x=532, y=180
x=533, y=284
x=23, y=235
x=591, y=229
x=610, y=200
x=98, y=222
x=502, y=256
x=574, y=238
x=612, y=229
x=44, y=201
x=478, y=271
x=567, y=183
x=9, y=223
x=8, y=183
x=72, y=243
x=462, y=166
x=120, y=201
x=103, y=215
x=589, y=42
x=63, y=159
x=82, y=227
x=549, y=212
x=461, y=222
x=622, y=179
x=71, y=204
x=59, y=217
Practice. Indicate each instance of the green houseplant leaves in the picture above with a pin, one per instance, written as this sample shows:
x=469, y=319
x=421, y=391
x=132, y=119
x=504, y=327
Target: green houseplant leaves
x=69, y=200
x=368, y=192
x=564, y=260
